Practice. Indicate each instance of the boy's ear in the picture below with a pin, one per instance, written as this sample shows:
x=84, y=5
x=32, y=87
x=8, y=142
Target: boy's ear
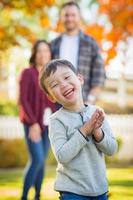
x=81, y=78
x=51, y=98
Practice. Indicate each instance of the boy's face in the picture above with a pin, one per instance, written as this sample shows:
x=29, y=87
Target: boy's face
x=64, y=87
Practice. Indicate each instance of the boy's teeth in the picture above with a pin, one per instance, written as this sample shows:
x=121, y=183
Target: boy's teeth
x=69, y=91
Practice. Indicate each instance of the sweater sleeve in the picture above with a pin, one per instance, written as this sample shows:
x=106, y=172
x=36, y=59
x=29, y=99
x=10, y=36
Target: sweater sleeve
x=108, y=144
x=25, y=87
x=64, y=150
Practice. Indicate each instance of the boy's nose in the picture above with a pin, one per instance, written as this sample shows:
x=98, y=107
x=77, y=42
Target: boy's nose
x=63, y=85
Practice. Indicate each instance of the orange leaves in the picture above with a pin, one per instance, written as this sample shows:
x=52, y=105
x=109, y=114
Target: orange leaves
x=114, y=36
x=120, y=15
x=38, y=3
x=111, y=53
x=2, y=33
x=112, y=5
x=119, y=12
x=31, y=37
x=44, y=21
x=19, y=19
x=96, y=31
x=25, y=32
x=27, y=3
x=99, y=33
x=50, y=2
x=59, y=27
x=130, y=29
x=22, y=30
x=42, y=3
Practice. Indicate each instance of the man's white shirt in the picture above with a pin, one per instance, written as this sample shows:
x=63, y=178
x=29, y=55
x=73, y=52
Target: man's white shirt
x=69, y=49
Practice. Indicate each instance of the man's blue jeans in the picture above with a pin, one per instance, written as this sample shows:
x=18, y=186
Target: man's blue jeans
x=71, y=196
x=36, y=166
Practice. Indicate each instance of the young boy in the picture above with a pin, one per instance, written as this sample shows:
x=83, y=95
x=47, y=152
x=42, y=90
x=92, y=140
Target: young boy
x=79, y=135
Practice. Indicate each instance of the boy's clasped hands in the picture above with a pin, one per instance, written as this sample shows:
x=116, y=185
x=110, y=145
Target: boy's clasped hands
x=93, y=125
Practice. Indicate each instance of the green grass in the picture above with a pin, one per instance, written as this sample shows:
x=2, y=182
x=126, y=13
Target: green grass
x=120, y=184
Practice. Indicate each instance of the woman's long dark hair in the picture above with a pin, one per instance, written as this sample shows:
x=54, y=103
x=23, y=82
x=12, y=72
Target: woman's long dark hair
x=34, y=51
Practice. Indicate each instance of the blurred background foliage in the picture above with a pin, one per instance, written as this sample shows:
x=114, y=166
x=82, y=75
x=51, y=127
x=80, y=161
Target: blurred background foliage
x=17, y=154
x=27, y=20
x=10, y=108
x=20, y=20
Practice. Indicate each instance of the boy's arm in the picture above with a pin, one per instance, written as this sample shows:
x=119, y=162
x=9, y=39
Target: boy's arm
x=98, y=135
x=65, y=150
x=107, y=144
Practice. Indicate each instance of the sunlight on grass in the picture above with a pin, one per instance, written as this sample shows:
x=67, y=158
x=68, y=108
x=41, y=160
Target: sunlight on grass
x=120, y=184
x=11, y=184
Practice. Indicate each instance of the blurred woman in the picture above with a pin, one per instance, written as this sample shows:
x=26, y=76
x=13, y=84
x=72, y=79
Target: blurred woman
x=33, y=104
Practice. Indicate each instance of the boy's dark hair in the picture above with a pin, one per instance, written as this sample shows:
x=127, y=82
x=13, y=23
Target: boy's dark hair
x=70, y=3
x=51, y=67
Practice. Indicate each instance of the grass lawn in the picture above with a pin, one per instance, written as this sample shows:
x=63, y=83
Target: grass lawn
x=120, y=184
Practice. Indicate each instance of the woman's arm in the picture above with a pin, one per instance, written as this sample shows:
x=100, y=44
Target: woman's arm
x=25, y=87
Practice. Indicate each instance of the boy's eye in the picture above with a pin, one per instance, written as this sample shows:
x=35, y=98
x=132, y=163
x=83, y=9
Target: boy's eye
x=54, y=85
x=67, y=77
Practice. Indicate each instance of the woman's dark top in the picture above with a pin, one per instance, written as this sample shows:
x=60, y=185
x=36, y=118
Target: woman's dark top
x=32, y=100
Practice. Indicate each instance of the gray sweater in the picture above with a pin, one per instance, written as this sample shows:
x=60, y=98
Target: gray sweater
x=81, y=166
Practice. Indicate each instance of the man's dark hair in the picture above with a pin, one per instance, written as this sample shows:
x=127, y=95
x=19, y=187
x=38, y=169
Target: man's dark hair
x=51, y=67
x=70, y=3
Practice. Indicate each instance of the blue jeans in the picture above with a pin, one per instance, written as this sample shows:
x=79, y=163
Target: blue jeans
x=36, y=166
x=72, y=196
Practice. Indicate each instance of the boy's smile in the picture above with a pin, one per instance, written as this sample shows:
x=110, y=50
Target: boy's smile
x=64, y=87
x=68, y=93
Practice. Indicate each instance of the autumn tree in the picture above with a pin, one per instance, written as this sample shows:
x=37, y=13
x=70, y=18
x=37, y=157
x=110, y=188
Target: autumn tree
x=119, y=17
x=26, y=19
x=21, y=23
x=20, y=20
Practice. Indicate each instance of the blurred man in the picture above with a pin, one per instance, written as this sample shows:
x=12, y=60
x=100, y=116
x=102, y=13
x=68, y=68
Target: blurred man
x=80, y=49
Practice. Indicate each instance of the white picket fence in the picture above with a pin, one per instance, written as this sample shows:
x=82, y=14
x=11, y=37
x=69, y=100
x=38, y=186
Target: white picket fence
x=122, y=125
x=10, y=128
